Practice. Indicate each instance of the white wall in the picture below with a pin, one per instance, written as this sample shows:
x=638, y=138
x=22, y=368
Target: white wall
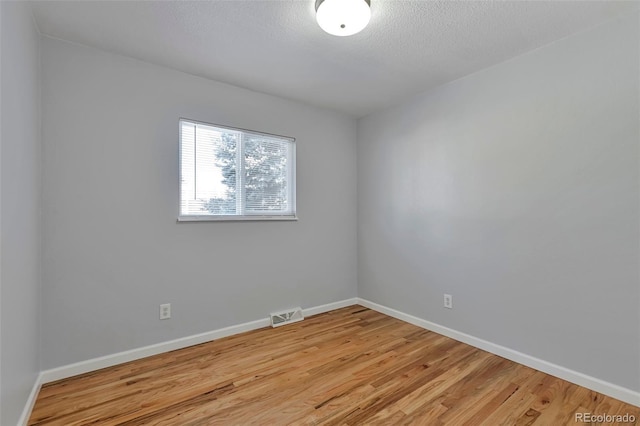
x=112, y=248
x=516, y=190
x=20, y=201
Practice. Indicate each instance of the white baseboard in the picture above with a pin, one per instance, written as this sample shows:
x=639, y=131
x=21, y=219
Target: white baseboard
x=131, y=355
x=31, y=401
x=183, y=342
x=627, y=395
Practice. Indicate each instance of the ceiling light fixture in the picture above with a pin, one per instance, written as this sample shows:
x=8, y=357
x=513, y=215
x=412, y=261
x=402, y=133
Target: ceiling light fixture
x=343, y=17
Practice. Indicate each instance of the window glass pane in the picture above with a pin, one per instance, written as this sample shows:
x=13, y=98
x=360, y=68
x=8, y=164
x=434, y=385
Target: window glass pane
x=187, y=167
x=219, y=180
x=207, y=170
x=265, y=174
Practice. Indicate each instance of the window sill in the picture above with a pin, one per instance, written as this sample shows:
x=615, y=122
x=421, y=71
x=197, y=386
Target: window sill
x=235, y=218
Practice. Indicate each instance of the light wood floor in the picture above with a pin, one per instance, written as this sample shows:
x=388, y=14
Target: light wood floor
x=350, y=366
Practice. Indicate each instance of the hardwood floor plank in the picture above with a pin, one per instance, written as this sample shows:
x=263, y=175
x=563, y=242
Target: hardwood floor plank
x=351, y=366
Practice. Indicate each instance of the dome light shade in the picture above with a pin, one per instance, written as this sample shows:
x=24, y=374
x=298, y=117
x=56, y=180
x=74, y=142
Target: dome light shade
x=343, y=17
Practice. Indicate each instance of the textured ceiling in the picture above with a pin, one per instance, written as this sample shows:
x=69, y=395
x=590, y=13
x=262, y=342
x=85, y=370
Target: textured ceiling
x=276, y=47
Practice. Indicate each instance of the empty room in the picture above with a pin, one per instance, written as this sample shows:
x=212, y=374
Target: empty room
x=319, y=212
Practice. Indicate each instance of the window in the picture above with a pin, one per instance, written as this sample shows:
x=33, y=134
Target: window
x=233, y=174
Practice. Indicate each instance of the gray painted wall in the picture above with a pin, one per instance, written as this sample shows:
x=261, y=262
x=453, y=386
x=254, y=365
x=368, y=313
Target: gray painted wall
x=515, y=190
x=112, y=248
x=20, y=195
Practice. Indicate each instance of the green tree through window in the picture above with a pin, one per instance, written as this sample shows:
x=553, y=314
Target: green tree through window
x=228, y=172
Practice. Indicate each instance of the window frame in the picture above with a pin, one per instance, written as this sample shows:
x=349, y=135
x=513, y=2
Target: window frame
x=291, y=179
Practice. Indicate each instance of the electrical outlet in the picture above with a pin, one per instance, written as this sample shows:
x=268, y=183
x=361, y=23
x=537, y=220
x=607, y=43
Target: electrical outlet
x=448, y=301
x=165, y=311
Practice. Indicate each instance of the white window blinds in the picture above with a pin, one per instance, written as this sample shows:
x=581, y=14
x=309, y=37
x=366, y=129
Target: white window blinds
x=228, y=173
